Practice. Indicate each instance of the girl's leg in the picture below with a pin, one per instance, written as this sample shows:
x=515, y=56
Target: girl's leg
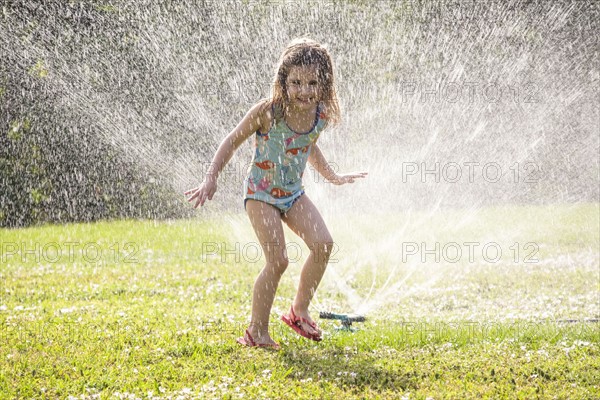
x=266, y=221
x=306, y=221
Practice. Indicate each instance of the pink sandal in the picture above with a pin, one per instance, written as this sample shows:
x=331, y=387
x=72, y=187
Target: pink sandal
x=251, y=343
x=294, y=322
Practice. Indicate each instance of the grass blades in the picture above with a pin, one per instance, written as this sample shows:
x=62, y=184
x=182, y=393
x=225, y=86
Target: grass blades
x=144, y=309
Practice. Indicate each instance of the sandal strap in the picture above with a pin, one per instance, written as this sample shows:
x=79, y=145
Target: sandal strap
x=296, y=319
x=250, y=339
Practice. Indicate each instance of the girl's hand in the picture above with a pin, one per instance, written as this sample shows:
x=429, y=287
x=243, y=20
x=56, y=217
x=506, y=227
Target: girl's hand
x=347, y=178
x=205, y=191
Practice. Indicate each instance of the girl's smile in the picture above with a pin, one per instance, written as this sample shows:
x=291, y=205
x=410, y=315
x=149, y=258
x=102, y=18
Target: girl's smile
x=303, y=88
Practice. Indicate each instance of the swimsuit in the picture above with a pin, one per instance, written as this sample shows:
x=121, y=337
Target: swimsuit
x=275, y=174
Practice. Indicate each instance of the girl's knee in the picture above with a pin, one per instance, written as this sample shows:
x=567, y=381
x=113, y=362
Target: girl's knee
x=323, y=249
x=276, y=256
x=278, y=264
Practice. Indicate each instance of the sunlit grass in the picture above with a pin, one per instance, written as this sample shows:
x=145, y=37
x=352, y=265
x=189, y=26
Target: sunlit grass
x=159, y=318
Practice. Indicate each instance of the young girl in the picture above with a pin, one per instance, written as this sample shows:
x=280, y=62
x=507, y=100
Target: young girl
x=285, y=128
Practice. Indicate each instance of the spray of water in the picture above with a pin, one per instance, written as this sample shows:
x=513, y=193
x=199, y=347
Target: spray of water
x=451, y=107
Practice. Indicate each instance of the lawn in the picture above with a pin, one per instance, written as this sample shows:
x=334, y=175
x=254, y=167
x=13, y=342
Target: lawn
x=145, y=309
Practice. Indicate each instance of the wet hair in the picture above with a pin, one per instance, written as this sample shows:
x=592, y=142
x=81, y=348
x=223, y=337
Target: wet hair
x=304, y=52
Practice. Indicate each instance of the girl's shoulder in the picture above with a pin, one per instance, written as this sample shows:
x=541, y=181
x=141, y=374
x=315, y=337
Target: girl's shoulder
x=264, y=105
x=266, y=113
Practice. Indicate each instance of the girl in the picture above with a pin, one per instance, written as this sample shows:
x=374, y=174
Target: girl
x=285, y=128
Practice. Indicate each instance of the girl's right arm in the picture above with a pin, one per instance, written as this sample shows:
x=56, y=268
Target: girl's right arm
x=254, y=119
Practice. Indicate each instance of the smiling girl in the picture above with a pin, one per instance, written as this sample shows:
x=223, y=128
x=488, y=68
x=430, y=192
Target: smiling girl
x=286, y=128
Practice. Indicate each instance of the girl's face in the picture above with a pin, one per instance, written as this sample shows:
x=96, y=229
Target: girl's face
x=303, y=89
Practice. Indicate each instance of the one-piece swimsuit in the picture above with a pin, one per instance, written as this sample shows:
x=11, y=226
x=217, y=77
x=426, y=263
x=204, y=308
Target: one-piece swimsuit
x=275, y=173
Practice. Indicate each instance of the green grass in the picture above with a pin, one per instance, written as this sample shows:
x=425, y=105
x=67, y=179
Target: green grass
x=148, y=310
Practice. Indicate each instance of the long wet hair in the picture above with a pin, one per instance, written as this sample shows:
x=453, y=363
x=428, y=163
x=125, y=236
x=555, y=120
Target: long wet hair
x=307, y=52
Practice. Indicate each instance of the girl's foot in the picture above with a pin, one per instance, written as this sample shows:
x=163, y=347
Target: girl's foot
x=302, y=325
x=260, y=338
x=310, y=327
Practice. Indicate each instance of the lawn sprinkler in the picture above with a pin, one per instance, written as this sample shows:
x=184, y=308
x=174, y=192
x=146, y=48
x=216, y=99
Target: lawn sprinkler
x=347, y=320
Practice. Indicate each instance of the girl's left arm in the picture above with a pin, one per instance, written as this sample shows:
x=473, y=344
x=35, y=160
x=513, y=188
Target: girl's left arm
x=318, y=161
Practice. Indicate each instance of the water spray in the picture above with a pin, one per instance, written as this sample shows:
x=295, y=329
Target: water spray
x=347, y=320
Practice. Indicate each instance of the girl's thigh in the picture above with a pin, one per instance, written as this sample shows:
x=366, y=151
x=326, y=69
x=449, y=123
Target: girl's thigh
x=266, y=221
x=306, y=221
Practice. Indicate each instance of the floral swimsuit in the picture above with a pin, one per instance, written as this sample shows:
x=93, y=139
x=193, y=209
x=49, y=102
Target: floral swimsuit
x=275, y=174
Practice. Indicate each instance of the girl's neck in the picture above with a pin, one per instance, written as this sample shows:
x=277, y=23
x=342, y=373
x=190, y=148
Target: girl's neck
x=294, y=114
x=300, y=120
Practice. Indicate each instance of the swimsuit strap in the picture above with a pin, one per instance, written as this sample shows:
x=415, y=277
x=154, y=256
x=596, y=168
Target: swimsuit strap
x=277, y=112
